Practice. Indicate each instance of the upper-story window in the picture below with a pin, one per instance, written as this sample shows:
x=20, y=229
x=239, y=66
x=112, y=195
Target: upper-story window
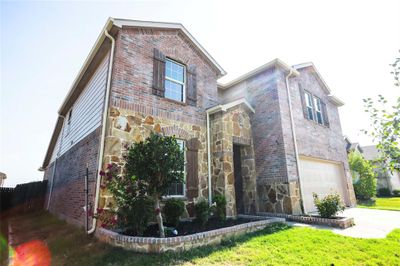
x=309, y=103
x=69, y=118
x=318, y=111
x=177, y=189
x=174, y=80
x=313, y=107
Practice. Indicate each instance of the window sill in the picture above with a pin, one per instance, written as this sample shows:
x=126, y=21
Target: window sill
x=181, y=197
x=174, y=101
x=316, y=123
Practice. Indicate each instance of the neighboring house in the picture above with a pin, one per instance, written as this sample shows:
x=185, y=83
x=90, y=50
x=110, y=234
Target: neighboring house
x=3, y=177
x=385, y=179
x=266, y=140
x=350, y=146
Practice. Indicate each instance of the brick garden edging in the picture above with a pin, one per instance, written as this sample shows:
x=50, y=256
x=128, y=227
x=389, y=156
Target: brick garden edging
x=180, y=243
x=340, y=222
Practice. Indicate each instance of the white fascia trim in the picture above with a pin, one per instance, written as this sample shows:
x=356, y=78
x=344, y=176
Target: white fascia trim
x=335, y=100
x=224, y=107
x=168, y=25
x=87, y=62
x=311, y=64
x=275, y=62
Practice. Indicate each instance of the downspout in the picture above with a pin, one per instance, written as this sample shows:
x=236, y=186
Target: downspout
x=55, y=163
x=294, y=137
x=103, y=132
x=209, y=158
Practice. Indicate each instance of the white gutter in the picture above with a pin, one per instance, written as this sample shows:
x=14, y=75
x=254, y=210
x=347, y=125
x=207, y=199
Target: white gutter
x=103, y=132
x=55, y=163
x=209, y=112
x=294, y=136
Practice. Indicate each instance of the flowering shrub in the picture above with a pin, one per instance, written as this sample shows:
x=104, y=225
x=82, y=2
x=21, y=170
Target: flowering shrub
x=133, y=207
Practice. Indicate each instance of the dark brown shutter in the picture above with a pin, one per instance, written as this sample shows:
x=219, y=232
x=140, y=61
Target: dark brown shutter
x=324, y=114
x=191, y=86
x=192, y=178
x=303, y=101
x=158, y=73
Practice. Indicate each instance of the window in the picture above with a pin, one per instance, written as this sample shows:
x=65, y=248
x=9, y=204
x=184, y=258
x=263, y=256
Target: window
x=178, y=188
x=69, y=121
x=309, y=104
x=318, y=110
x=174, y=81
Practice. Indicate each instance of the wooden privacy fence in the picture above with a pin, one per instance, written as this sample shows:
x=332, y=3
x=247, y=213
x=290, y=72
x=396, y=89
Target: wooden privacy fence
x=24, y=197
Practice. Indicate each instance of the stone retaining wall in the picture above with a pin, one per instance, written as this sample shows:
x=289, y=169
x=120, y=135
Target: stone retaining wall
x=180, y=243
x=339, y=222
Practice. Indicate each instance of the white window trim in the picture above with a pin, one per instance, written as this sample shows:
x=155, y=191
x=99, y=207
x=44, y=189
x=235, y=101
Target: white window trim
x=309, y=104
x=177, y=81
x=184, y=175
x=318, y=109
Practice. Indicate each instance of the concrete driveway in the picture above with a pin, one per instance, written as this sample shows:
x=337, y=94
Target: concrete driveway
x=368, y=223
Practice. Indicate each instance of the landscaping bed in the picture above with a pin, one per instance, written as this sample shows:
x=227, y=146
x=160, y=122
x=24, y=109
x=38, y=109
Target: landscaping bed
x=188, y=227
x=190, y=236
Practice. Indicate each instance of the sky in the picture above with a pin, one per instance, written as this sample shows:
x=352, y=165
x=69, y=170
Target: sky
x=44, y=44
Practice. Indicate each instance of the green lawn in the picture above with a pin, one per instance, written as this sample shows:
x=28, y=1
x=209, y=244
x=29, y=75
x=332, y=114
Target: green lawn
x=392, y=204
x=275, y=245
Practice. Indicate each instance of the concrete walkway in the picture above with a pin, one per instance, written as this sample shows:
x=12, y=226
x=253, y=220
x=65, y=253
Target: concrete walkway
x=369, y=223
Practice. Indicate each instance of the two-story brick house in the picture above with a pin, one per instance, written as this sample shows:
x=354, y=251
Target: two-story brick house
x=266, y=140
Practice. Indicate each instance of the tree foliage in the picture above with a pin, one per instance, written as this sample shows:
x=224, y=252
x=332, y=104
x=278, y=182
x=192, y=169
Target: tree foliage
x=364, y=177
x=156, y=162
x=385, y=125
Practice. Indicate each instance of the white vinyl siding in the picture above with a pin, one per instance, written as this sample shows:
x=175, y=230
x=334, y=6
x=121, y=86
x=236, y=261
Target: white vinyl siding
x=87, y=111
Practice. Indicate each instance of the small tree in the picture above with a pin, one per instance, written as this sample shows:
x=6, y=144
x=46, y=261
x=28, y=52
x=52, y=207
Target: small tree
x=157, y=162
x=364, y=178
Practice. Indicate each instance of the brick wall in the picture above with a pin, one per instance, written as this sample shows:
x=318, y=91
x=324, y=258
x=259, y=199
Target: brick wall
x=68, y=197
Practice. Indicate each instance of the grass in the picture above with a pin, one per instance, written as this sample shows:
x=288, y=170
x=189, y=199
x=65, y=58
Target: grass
x=278, y=244
x=391, y=204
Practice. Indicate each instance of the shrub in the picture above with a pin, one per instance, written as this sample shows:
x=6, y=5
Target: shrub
x=396, y=192
x=219, y=208
x=202, y=211
x=328, y=206
x=173, y=210
x=134, y=209
x=384, y=192
x=364, y=177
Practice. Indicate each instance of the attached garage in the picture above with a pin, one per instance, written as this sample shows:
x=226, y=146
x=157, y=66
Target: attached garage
x=322, y=177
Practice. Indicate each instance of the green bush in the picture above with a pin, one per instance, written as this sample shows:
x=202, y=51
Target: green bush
x=173, y=210
x=396, y=192
x=364, y=177
x=384, y=192
x=219, y=207
x=202, y=212
x=328, y=206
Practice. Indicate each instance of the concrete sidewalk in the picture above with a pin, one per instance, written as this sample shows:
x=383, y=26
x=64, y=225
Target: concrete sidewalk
x=369, y=223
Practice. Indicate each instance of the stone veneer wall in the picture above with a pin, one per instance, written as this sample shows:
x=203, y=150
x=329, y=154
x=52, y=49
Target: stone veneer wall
x=128, y=126
x=228, y=128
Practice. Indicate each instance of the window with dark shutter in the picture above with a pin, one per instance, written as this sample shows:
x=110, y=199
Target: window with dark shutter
x=192, y=179
x=191, y=86
x=158, y=73
x=325, y=114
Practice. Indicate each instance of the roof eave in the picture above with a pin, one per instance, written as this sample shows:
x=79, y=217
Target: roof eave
x=169, y=25
x=275, y=62
x=86, y=64
x=335, y=100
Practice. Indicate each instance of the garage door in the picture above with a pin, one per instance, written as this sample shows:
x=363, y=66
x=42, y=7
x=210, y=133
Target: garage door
x=321, y=177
